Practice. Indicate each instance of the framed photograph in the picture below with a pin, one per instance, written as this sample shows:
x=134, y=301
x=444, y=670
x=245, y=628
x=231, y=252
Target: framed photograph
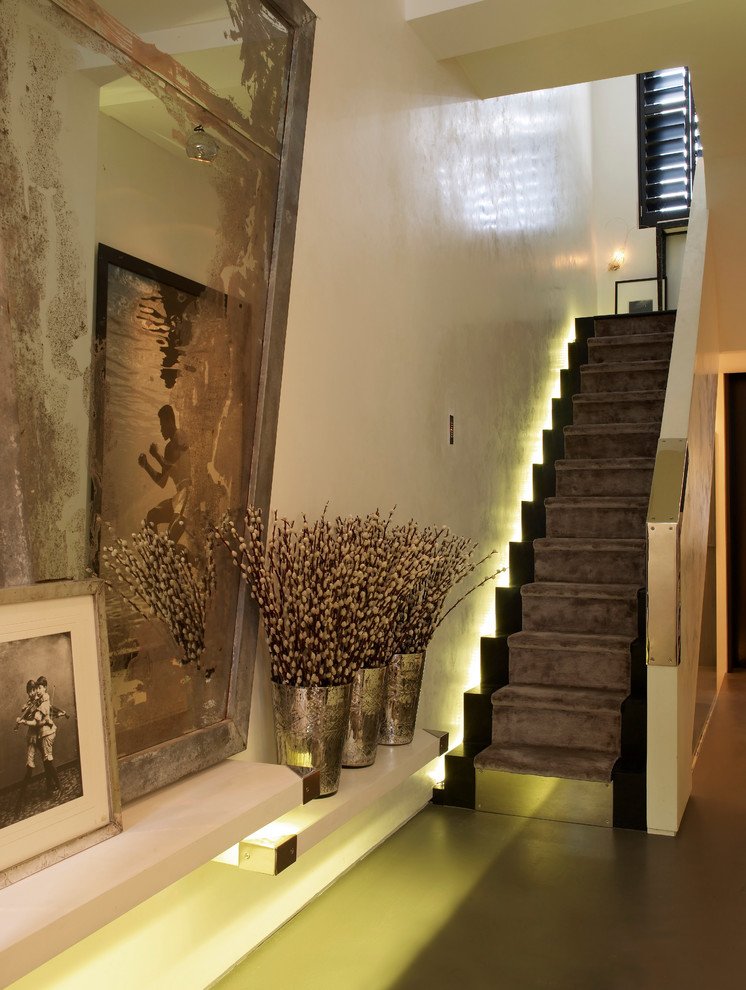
x=640, y=295
x=58, y=769
x=176, y=392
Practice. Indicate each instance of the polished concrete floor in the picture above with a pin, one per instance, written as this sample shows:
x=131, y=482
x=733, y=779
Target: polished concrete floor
x=467, y=900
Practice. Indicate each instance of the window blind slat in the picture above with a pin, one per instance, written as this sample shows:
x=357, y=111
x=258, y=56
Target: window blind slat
x=668, y=145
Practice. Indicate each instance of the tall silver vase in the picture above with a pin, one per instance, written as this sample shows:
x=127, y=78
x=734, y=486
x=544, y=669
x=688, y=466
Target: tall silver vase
x=310, y=728
x=401, y=698
x=366, y=708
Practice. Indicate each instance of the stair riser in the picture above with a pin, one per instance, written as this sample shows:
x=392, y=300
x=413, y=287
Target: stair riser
x=590, y=566
x=580, y=615
x=560, y=667
x=603, y=378
x=582, y=446
x=621, y=326
x=603, y=481
x=603, y=352
x=601, y=410
x=550, y=727
x=616, y=523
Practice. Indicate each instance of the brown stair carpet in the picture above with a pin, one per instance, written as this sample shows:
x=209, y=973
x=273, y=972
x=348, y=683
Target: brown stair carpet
x=560, y=714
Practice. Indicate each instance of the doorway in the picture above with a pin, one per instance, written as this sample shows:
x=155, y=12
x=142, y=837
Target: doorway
x=735, y=495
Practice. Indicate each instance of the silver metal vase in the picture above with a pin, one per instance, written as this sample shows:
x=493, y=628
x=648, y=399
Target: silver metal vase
x=366, y=709
x=401, y=698
x=310, y=728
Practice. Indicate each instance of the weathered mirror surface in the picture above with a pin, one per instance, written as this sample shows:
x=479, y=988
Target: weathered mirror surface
x=96, y=114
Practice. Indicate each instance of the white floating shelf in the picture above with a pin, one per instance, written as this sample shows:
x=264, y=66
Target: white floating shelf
x=302, y=828
x=166, y=835
x=174, y=831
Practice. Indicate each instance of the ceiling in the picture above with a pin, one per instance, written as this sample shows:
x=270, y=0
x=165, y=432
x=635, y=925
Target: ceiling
x=197, y=33
x=143, y=16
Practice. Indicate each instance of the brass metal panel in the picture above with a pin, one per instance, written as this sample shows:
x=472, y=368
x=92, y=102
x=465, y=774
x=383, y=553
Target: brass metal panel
x=268, y=856
x=311, y=778
x=664, y=598
x=442, y=738
x=556, y=799
x=669, y=479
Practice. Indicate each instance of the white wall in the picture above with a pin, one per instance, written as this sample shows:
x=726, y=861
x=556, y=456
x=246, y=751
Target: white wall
x=443, y=251
x=615, y=194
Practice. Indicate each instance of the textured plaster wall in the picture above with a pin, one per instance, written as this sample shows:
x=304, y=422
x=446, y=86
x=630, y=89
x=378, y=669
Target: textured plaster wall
x=443, y=250
x=49, y=160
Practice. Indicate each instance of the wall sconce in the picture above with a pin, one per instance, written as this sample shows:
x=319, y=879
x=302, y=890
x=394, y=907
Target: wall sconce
x=200, y=147
x=616, y=260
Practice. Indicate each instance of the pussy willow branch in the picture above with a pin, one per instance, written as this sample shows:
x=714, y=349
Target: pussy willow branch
x=156, y=578
x=335, y=596
x=423, y=610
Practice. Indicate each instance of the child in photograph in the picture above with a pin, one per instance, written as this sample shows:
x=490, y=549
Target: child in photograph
x=47, y=731
x=28, y=718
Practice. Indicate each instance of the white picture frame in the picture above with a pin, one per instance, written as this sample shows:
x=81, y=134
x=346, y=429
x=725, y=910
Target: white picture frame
x=54, y=632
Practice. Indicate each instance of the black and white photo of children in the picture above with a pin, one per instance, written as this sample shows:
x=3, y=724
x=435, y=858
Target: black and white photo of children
x=39, y=749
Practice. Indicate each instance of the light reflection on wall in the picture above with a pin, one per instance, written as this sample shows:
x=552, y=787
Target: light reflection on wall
x=533, y=451
x=517, y=191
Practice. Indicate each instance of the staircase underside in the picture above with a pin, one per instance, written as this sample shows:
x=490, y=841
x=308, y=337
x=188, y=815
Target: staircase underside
x=561, y=725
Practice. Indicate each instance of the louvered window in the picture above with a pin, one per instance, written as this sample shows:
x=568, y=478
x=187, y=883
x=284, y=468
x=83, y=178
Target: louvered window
x=668, y=145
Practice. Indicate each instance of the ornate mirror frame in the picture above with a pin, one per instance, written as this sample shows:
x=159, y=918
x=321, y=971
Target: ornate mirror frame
x=159, y=765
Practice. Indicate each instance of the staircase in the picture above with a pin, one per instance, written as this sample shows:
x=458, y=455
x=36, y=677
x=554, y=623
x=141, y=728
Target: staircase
x=565, y=673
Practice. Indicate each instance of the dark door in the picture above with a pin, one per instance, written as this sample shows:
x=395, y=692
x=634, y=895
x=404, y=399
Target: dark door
x=735, y=466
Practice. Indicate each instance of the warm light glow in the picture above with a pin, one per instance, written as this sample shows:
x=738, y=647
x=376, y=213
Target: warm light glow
x=270, y=834
x=275, y=831
x=534, y=449
x=436, y=771
x=564, y=261
x=616, y=260
x=229, y=857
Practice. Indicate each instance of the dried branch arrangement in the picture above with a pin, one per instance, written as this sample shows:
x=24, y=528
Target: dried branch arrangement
x=307, y=587
x=336, y=596
x=390, y=560
x=451, y=561
x=156, y=578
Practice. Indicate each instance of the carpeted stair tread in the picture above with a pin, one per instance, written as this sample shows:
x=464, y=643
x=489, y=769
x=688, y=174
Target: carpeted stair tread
x=624, y=375
x=574, y=764
x=629, y=366
x=569, y=589
x=595, y=516
x=573, y=642
x=615, y=429
x=614, y=326
x=574, y=699
x=588, y=608
x=586, y=560
x=604, y=475
x=603, y=441
x=602, y=502
x=606, y=463
x=589, y=543
x=618, y=407
x=630, y=347
x=570, y=659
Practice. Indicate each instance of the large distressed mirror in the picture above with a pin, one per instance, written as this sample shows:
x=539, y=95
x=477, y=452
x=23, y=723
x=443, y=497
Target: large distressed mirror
x=146, y=303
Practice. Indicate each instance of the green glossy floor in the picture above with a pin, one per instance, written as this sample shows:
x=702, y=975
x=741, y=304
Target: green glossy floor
x=467, y=900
